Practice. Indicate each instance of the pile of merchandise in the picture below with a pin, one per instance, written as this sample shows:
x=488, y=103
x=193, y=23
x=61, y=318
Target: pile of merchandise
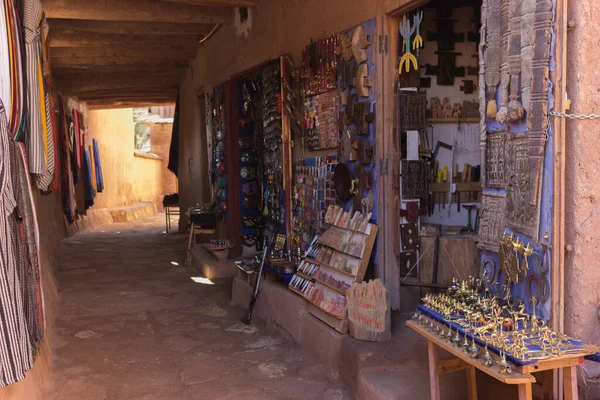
x=469, y=316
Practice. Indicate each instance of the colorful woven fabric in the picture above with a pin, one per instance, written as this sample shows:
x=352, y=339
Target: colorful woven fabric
x=98, y=165
x=15, y=345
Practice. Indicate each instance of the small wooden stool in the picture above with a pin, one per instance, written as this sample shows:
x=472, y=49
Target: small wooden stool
x=169, y=212
x=194, y=232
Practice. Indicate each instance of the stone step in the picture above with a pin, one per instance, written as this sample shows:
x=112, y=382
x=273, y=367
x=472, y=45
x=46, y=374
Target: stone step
x=133, y=212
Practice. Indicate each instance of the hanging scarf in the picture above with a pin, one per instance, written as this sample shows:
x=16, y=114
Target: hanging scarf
x=15, y=345
x=99, y=177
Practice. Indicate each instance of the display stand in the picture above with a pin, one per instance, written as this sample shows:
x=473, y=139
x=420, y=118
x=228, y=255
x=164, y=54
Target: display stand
x=322, y=277
x=521, y=375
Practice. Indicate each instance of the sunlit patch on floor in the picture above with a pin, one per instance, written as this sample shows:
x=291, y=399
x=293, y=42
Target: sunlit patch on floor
x=242, y=328
x=272, y=370
x=204, y=281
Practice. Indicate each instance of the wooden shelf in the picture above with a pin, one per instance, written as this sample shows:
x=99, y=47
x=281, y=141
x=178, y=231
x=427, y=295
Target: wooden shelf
x=341, y=323
x=341, y=251
x=321, y=264
x=301, y=274
x=340, y=291
x=296, y=291
x=325, y=311
x=347, y=229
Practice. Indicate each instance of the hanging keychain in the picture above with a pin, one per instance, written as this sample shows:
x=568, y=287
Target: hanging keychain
x=407, y=58
x=418, y=40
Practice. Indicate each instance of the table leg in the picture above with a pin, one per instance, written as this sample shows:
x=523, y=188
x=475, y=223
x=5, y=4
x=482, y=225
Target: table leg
x=471, y=383
x=434, y=377
x=570, y=383
x=167, y=219
x=188, y=254
x=525, y=391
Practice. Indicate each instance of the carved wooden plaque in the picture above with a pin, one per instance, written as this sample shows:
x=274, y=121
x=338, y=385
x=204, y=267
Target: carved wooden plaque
x=407, y=260
x=520, y=213
x=494, y=160
x=492, y=220
x=414, y=179
x=518, y=36
x=538, y=106
x=369, y=311
x=410, y=237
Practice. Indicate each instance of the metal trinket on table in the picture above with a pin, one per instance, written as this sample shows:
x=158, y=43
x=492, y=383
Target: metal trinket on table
x=469, y=316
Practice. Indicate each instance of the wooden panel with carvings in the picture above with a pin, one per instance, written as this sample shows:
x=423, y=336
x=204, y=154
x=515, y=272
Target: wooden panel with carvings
x=414, y=179
x=492, y=220
x=521, y=215
x=494, y=160
x=538, y=106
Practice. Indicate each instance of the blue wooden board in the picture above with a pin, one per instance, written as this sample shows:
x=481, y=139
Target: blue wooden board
x=370, y=28
x=546, y=205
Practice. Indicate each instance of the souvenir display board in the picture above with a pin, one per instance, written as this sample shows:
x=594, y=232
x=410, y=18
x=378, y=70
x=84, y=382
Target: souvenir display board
x=336, y=259
x=357, y=85
x=281, y=116
x=251, y=119
x=321, y=125
x=313, y=194
x=218, y=160
x=250, y=168
x=319, y=64
x=516, y=145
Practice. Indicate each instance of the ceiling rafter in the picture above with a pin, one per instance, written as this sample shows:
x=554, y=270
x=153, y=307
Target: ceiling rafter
x=128, y=27
x=134, y=10
x=217, y=3
x=92, y=39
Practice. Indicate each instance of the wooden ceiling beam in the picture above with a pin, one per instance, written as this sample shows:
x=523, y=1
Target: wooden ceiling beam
x=118, y=63
x=82, y=57
x=100, y=75
x=87, y=71
x=139, y=101
x=128, y=27
x=93, y=105
x=135, y=10
x=127, y=90
x=92, y=39
x=166, y=96
x=150, y=53
x=217, y=3
x=117, y=82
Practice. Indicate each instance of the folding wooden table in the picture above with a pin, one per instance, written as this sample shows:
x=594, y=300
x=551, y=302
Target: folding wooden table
x=521, y=375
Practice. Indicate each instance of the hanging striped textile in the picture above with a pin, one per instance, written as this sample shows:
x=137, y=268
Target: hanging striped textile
x=36, y=149
x=15, y=42
x=15, y=346
x=30, y=275
x=64, y=144
x=98, y=165
x=93, y=166
x=87, y=180
x=5, y=56
x=47, y=182
x=78, y=157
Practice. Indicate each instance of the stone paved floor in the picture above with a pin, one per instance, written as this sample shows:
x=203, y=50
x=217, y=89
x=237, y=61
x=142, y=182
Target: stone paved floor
x=133, y=325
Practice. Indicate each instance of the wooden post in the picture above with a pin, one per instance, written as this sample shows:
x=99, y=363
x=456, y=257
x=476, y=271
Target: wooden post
x=434, y=377
x=471, y=384
x=570, y=383
x=525, y=391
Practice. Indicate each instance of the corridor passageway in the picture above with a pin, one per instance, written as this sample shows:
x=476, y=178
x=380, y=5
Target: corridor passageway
x=133, y=325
